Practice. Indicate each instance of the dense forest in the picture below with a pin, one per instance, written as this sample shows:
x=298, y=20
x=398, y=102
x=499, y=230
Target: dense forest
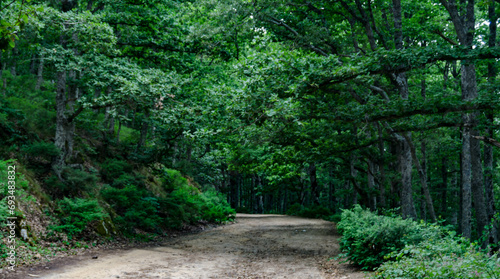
x=150, y=115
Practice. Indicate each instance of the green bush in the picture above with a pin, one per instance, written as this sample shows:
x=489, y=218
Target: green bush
x=112, y=169
x=40, y=116
x=334, y=218
x=294, y=209
x=188, y=205
x=449, y=257
x=316, y=211
x=76, y=215
x=368, y=238
x=43, y=150
x=216, y=208
x=4, y=213
x=183, y=204
x=136, y=207
x=74, y=183
x=173, y=179
x=127, y=179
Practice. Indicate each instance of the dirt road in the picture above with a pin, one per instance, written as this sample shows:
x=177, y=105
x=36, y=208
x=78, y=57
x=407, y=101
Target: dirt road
x=257, y=246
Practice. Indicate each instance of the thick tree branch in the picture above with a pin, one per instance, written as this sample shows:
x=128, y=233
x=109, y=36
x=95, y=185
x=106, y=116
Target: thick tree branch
x=488, y=140
x=406, y=60
x=281, y=23
x=440, y=34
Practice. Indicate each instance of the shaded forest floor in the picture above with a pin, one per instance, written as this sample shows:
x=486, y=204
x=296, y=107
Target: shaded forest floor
x=257, y=246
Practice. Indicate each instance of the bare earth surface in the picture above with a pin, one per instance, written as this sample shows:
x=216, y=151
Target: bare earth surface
x=257, y=246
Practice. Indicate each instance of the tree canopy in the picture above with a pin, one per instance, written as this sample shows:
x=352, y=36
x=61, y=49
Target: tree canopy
x=277, y=104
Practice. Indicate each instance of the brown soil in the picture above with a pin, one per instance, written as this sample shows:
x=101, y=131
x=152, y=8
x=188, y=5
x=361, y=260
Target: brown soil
x=256, y=246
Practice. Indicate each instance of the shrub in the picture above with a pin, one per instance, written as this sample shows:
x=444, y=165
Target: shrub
x=216, y=208
x=40, y=117
x=4, y=213
x=334, y=218
x=44, y=150
x=136, y=208
x=182, y=204
x=316, y=211
x=74, y=182
x=127, y=179
x=173, y=179
x=76, y=215
x=367, y=238
x=449, y=257
x=112, y=169
x=294, y=209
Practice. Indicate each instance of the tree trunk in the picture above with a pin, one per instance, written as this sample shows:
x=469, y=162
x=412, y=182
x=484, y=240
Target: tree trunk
x=118, y=131
x=466, y=179
x=455, y=214
x=189, y=153
x=144, y=131
x=174, y=153
x=381, y=167
x=97, y=94
x=423, y=181
x=425, y=190
x=260, y=202
x=477, y=187
x=253, y=200
x=61, y=124
x=314, y=183
x=33, y=64
x=72, y=96
x=444, y=185
x=111, y=127
x=14, y=61
x=2, y=69
x=39, y=73
x=464, y=27
x=488, y=150
x=407, y=204
x=372, y=199
x=331, y=191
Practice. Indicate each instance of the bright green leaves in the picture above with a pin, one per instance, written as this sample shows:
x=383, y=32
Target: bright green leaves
x=14, y=17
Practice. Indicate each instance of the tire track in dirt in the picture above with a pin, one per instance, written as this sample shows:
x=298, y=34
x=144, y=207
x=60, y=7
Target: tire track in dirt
x=256, y=246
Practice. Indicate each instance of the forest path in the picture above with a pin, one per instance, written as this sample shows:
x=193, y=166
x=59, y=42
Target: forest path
x=257, y=246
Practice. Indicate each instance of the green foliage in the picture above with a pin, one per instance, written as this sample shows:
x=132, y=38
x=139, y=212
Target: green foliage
x=4, y=213
x=192, y=205
x=367, y=238
x=244, y=209
x=112, y=169
x=183, y=204
x=316, y=211
x=43, y=150
x=173, y=179
x=77, y=214
x=215, y=207
x=74, y=182
x=294, y=209
x=39, y=115
x=442, y=258
x=127, y=179
x=136, y=207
